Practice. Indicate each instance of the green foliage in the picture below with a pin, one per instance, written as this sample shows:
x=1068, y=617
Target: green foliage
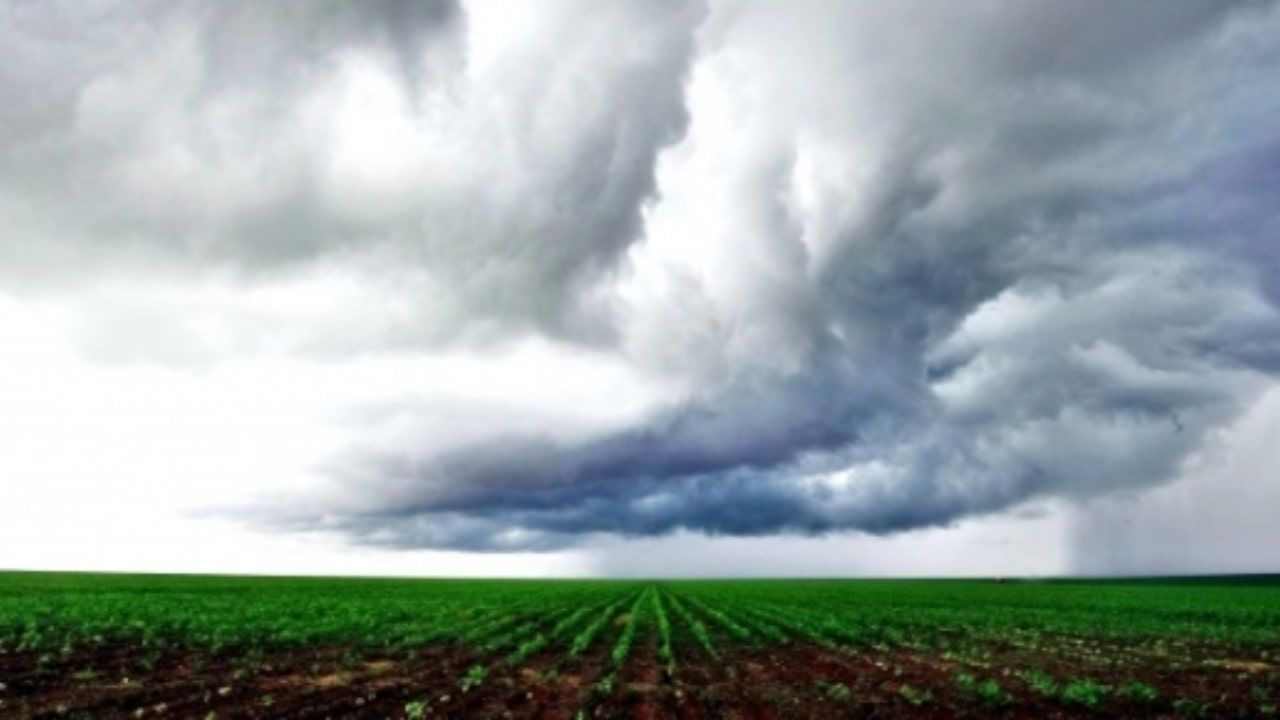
x=836, y=691
x=1085, y=692
x=1138, y=692
x=1188, y=707
x=474, y=677
x=914, y=696
x=988, y=691
x=911, y=612
x=695, y=626
x=415, y=710
x=622, y=648
x=52, y=618
x=723, y=620
x=56, y=612
x=1039, y=681
x=583, y=639
x=991, y=692
x=665, y=651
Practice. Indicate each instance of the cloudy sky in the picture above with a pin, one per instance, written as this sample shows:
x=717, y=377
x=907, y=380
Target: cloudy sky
x=640, y=288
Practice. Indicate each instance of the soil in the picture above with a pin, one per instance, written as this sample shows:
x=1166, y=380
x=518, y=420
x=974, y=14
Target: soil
x=779, y=681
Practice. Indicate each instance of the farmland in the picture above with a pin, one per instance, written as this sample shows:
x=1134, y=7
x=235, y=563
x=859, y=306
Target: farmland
x=79, y=645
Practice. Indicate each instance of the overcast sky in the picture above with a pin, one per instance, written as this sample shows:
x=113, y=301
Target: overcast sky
x=640, y=288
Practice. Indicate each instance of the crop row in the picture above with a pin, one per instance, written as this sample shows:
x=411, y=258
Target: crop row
x=514, y=620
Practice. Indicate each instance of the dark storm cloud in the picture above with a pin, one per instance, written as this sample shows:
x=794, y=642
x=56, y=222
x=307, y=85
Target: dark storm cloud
x=1041, y=298
x=902, y=263
x=1067, y=408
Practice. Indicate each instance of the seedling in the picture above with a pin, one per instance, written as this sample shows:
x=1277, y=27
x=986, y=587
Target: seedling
x=1138, y=692
x=989, y=691
x=914, y=696
x=836, y=691
x=1085, y=692
x=474, y=677
x=1041, y=682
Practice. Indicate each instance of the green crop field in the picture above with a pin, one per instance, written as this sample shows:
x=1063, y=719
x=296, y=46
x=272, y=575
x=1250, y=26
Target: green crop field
x=194, y=646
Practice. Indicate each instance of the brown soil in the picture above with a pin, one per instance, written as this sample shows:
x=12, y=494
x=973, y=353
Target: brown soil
x=782, y=681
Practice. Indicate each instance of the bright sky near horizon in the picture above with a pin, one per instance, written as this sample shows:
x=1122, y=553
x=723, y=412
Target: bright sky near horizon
x=640, y=288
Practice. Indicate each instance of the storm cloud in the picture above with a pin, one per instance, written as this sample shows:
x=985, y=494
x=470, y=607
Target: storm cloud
x=733, y=268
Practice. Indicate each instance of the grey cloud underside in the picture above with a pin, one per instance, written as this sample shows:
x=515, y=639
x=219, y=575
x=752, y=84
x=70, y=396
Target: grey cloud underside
x=1094, y=400
x=1144, y=327
x=953, y=258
